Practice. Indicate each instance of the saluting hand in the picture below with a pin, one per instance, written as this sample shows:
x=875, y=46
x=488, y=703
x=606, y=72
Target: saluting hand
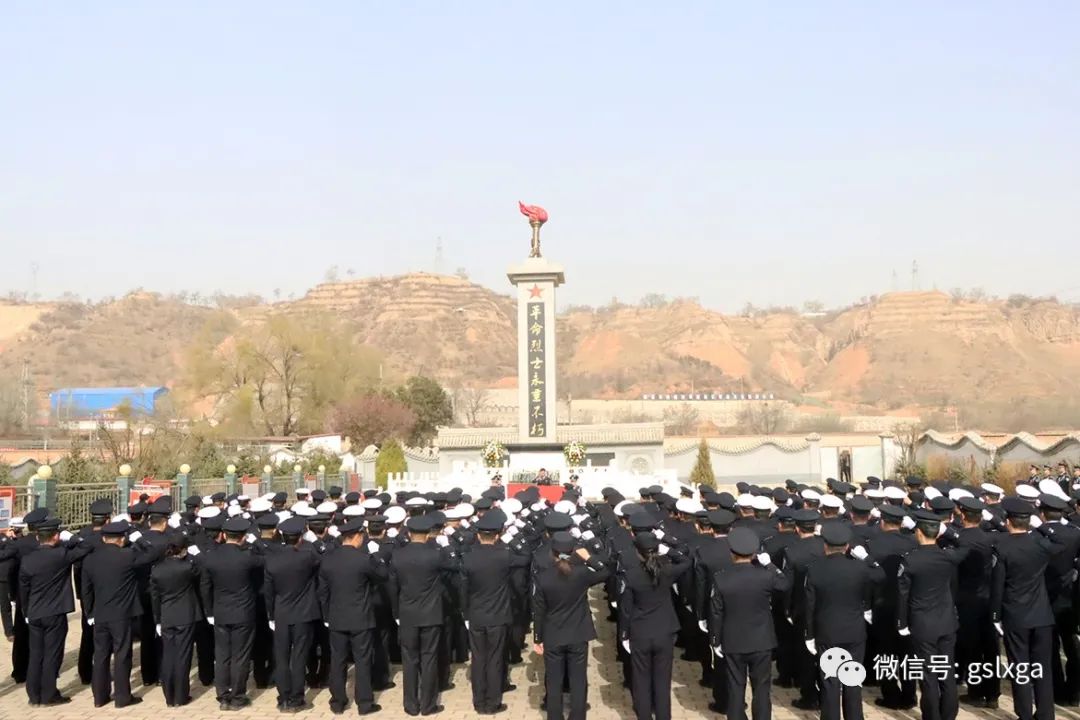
x=538, y=648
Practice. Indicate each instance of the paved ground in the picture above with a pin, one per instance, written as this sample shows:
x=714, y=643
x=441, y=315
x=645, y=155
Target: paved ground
x=609, y=700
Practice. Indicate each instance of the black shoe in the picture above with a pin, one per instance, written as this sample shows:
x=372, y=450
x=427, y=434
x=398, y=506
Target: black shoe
x=58, y=700
x=436, y=709
x=239, y=703
x=509, y=687
x=385, y=686
x=225, y=706
x=412, y=713
x=375, y=707
x=129, y=703
x=447, y=686
x=501, y=707
x=802, y=704
x=784, y=683
x=716, y=708
x=103, y=704
x=705, y=682
x=338, y=709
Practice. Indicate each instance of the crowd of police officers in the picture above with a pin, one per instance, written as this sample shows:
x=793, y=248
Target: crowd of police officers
x=295, y=590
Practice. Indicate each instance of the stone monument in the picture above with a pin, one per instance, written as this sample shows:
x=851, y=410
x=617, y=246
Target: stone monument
x=536, y=280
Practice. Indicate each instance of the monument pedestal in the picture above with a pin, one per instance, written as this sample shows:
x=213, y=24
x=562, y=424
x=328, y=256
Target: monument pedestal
x=536, y=280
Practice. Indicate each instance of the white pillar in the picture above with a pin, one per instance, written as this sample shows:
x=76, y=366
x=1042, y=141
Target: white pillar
x=536, y=280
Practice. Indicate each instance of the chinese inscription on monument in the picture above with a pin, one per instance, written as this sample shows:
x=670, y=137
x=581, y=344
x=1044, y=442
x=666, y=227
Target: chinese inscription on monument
x=537, y=358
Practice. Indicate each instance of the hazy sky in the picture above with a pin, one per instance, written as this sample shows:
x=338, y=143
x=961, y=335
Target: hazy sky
x=771, y=153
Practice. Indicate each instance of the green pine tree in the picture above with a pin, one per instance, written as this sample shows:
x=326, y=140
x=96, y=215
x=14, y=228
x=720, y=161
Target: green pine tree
x=703, y=472
x=391, y=459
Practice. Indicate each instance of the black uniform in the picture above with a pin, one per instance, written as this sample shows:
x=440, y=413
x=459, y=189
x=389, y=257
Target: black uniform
x=347, y=582
x=292, y=605
x=887, y=548
x=111, y=598
x=1019, y=601
x=712, y=555
x=741, y=625
x=85, y=661
x=1061, y=588
x=417, y=593
x=647, y=619
x=486, y=606
x=46, y=598
x=563, y=624
x=976, y=641
x=926, y=609
x=838, y=591
x=174, y=601
x=228, y=575
x=797, y=560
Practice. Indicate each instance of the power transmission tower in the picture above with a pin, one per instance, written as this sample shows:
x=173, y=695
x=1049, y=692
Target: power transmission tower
x=914, y=274
x=439, y=260
x=26, y=387
x=895, y=281
x=34, y=267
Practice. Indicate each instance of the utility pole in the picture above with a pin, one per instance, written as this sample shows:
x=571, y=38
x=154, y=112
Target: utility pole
x=914, y=274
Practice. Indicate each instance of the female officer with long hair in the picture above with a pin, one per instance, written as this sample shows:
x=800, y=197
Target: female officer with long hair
x=563, y=623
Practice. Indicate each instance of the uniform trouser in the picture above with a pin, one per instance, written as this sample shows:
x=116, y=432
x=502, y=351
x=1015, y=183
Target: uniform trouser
x=566, y=662
x=204, y=652
x=177, y=644
x=444, y=657
x=149, y=647
x=719, y=680
x=1031, y=645
x=785, y=640
x=940, y=700
x=112, y=642
x=977, y=643
x=359, y=644
x=899, y=692
x=806, y=668
x=459, y=638
x=488, y=669
x=232, y=658
x=758, y=667
x=834, y=695
x=45, y=648
x=381, y=640
x=650, y=662
x=1067, y=674
x=262, y=649
x=420, y=661
x=86, y=651
x=6, y=619
x=291, y=646
x=20, y=647
x=318, y=666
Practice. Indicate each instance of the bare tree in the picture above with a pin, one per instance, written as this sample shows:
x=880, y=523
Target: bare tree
x=470, y=402
x=907, y=437
x=763, y=419
x=681, y=420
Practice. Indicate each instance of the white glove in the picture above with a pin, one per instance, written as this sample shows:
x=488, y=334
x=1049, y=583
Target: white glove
x=1036, y=522
x=396, y=620
x=718, y=651
x=372, y=547
x=704, y=626
x=273, y=625
x=157, y=629
x=659, y=534
x=466, y=624
x=907, y=523
x=250, y=539
x=134, y=537
x=65, y=536
x=525, y=513
x=875, y=513
x=506, y=538
x=575, y=533
x=940, y=529
x=174, y=521
x=626, y=645
x=868, y=616
x=812, y=647
x=464, y=524
x=310, y=536
x=333, y=531
x=326, y=625
x=448, y=531
x=391, y=533
x=210, y=620
x=905, y=632
x=614, y=604
x=519, y=524
x=193, y=550
x=89, y=621
x=442, y=541
x=859, y=552
x=663, y=549
x=764, y=559
x=1000, y=629
x=588, y=535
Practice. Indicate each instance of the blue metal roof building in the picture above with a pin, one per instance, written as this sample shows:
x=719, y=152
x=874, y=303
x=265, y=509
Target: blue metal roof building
x=72, y=403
